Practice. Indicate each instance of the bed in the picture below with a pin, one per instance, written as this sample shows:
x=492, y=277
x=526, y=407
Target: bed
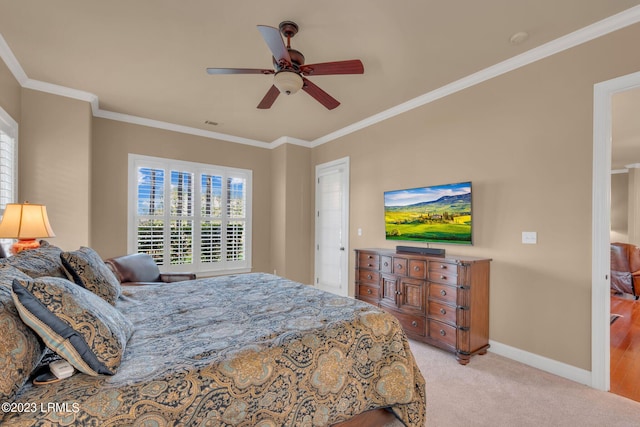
x=242, y=350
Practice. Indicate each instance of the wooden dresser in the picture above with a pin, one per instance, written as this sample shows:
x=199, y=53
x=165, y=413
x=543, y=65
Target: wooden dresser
x=443, y=301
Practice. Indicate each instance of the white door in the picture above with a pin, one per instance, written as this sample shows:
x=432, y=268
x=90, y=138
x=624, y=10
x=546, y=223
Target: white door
x=332, y=226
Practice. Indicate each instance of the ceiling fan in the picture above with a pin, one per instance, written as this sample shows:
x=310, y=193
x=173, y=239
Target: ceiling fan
x=290, y=71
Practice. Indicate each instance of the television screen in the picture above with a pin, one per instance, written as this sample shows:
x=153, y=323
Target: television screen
x=436, y=214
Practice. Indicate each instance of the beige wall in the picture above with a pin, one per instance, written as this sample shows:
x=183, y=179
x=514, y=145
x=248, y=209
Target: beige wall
x=525, y=140
x=54, y=163
x=112, y=143
x=291, y=195
x=619, y=207
x=9, y=93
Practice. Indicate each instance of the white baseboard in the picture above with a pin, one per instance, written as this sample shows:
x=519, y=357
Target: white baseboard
x=560, y=369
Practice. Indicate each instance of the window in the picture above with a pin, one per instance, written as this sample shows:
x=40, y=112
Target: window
x=190, y=216
x=8, y=166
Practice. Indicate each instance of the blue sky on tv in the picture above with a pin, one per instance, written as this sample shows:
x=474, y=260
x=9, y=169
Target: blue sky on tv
x=412, y=196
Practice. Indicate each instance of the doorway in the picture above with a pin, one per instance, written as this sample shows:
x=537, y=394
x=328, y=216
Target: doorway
x=332, y=227
x=601, y=216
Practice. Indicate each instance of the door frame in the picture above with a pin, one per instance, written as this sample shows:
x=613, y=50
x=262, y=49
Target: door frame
x=343, y=163
x=601, y=217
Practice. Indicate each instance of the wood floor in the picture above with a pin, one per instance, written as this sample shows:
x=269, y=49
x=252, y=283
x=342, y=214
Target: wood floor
x=625, y=348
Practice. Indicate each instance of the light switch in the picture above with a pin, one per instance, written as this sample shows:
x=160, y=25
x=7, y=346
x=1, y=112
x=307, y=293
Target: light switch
x=529, y=237
x=359, y=231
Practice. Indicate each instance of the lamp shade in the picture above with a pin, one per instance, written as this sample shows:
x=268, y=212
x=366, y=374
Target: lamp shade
x=287, y=82
x=25, y=221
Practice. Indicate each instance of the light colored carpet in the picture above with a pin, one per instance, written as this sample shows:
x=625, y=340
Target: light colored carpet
x=495, y=391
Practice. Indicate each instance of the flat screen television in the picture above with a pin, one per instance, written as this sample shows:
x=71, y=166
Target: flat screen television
x=434, y=214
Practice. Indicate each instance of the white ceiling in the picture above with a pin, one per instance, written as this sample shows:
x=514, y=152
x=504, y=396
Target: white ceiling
x=147, y=58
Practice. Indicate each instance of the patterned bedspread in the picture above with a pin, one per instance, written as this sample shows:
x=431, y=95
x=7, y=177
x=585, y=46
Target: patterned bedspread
x=245, y=350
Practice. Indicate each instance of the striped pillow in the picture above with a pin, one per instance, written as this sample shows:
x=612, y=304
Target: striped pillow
x=20, y=348
x=73, y=322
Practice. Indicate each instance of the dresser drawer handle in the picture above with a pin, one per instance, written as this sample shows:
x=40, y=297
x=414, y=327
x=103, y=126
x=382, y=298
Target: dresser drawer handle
x=443, y=292
x=370, y=257
x=414, y=324
x=386, y=264
x=443, y=332
x=442, y=266
x=369, y=291
x=369, y=276
x=443, y=311
x=416, y=268
x=369, y=265
x=443, y=277
x=400, y=266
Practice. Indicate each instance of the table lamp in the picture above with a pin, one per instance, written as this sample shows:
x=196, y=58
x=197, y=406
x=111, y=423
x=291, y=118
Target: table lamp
x=25, y=222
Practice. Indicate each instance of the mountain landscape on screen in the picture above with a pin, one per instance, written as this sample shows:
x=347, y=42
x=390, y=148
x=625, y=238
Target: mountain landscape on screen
x=436, y=214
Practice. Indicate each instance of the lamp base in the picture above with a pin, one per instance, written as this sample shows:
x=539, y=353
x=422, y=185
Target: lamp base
x=24, y=244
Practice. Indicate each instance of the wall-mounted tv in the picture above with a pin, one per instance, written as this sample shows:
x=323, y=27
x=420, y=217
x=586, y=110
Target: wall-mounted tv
x=435, y=214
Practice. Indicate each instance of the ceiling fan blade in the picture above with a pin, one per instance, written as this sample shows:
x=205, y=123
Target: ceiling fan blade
x=269, y=98
x=274, y=40
x=353, y=66
x=321, y=96
x=238, y=71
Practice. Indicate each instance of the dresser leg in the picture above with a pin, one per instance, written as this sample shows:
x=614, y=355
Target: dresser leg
x=462, y=359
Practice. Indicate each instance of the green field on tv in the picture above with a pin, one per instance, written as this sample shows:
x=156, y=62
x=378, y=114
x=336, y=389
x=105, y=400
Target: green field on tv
x=439, y=214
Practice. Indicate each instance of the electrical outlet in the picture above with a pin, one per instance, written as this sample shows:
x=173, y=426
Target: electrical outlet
x=529, y=237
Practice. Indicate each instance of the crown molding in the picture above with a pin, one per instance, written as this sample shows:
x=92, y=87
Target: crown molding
x=583, y=35
x=178, y=128
x=12, y=62
x=289, y=140
x=613, y=23
x=62, y=91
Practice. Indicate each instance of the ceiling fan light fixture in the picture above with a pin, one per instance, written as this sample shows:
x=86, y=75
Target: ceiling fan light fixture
x=287, y=82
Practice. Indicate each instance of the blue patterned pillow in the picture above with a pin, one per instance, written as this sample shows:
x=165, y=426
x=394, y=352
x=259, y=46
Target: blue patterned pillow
x=74, y=322
x=21, y=348
x=43, y=261
x=89, y=271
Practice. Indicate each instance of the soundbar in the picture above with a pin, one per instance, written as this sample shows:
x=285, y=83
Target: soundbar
x=421, y=251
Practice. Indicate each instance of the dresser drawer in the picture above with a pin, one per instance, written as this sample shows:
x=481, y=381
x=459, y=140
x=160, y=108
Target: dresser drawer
x=368, y=277
x=417, y=269
x=443, y=277
x=385, y=264
x=372, y=301
x=399, y=266
x=413, y=324
x=442, y=332
x=443, y=267
x=442, y=312
x=367, y=260
x=443, y=293
x=367, y=291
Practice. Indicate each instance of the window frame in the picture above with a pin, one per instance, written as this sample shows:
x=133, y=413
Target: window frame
x=137, y=161
x=9, y=127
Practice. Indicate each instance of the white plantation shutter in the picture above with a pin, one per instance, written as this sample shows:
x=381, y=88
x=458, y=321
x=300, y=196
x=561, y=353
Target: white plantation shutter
x=236, y=214
x=8, y=166
x=206, y=226
x=181, y=197
x=150, y=213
